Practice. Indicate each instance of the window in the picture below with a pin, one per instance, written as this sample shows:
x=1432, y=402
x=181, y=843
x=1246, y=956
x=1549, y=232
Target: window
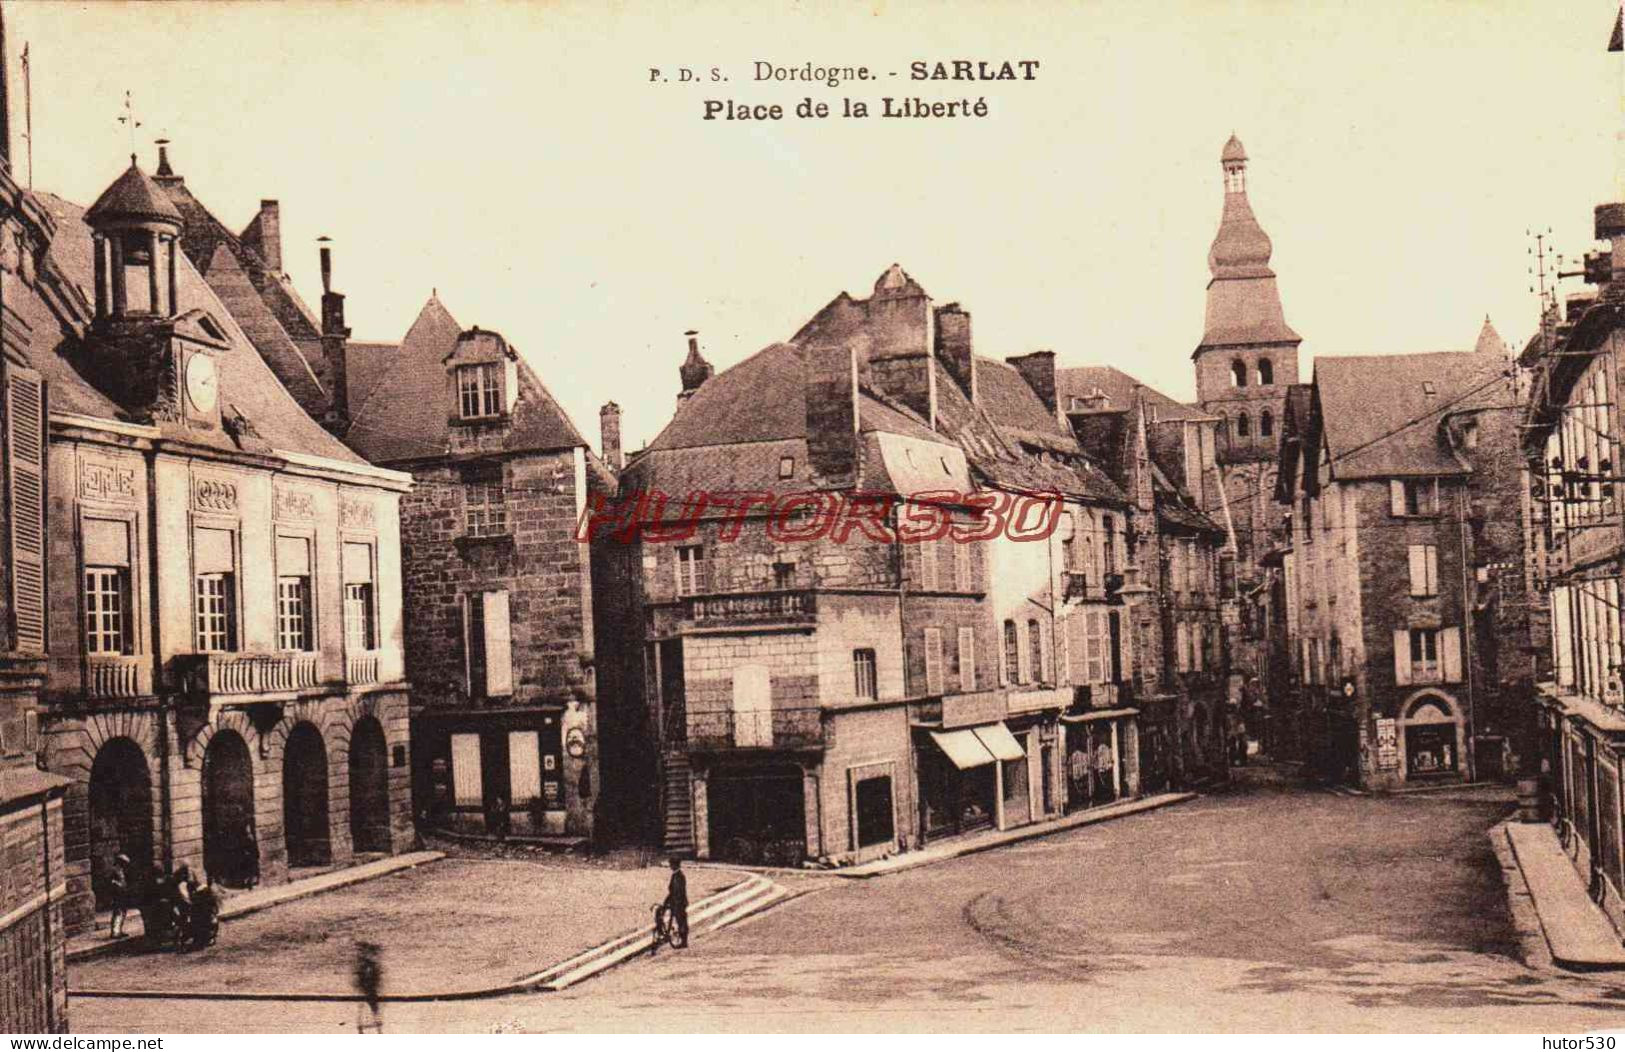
x=215, y=615
x=293, y=613
x=360, y=609
x=1035, y=641
x=106, y=606
x=524, y=767
x=928, y=566
x=787, y=467
x=1108, y=551
x=1244, y=426
x=873, y=799
x=784, y=576
x=967, y=660
x=690, y=570
x=1094, y=643
x=487, y=644
x=467, y=786
x=485, y=509
x=479, y=389
x=1266, y=374
x=933, y=661
x=105, y=545
x=1424, y=655
x=1238, y=373
x=1424, y=564
x=863, y=673
x=1012, y=653
x=1266, y=423
x=1413, y=497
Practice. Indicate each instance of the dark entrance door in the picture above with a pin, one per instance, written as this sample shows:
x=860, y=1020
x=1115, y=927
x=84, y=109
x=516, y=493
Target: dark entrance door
x=369, y=787
x=120, y=815
x=304, y=798
x=757, y=815
x=230, y=853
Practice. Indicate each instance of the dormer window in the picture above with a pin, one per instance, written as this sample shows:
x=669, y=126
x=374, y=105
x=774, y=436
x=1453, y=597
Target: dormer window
x=787, y=467
x=479, y=389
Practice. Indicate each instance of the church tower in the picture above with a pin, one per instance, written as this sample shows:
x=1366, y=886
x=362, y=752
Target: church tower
x=1248, y=355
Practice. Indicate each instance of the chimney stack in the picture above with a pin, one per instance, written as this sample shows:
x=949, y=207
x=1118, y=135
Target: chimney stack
x=609, y=435
x=1038, y=369
x=954, y=347
x=264, y=235
x=831, y=383
x=335, y=346
x=695, y=370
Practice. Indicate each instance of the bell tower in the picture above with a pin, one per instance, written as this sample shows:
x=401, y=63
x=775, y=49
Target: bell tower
x=154, y=360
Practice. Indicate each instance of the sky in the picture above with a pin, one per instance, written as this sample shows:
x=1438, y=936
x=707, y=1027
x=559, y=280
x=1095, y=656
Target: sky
x=516, y=159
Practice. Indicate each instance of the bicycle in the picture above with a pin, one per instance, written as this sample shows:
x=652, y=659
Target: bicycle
x=665, y=930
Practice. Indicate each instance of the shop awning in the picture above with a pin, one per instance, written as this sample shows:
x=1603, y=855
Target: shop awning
x=964, y=748
x=999, y=741
x=1097, y=714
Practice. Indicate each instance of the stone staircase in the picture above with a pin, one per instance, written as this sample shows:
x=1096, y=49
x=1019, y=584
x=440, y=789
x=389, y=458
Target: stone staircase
x=678, y=834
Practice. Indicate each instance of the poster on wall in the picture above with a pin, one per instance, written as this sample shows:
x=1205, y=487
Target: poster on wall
x=1387, y=744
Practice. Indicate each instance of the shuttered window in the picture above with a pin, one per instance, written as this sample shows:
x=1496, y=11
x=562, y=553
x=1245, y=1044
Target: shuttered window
x=465, y=770
x=1010, y=670
x=1424, y=567
x=933, y=661
x=524, y=767
x=967, y=659
x=1562, y=637
x=25, y=484
x=962, y=568
x=1035, y=641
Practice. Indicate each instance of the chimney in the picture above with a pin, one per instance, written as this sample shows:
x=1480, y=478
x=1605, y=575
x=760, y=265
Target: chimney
x=900, y=356
x=695, y=370
x=264, y=235
x=954, y=347
x=164, y=173
x=1610, y=227
x=335, y=346
x=830, y=377
x=1038, y=369
x=609, y=435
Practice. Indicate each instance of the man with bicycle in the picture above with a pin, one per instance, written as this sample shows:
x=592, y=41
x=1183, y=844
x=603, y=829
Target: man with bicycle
x=677, y=902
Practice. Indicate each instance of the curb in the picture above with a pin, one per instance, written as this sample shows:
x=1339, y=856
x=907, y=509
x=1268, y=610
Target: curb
x=754, y=892
x=1014, y=836
x=411, y=860
x=1567, y=962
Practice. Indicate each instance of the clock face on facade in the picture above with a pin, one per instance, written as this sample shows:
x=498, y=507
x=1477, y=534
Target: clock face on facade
x=202, y=382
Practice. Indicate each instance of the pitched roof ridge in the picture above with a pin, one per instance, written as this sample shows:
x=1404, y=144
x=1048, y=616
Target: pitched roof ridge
x=423, y=311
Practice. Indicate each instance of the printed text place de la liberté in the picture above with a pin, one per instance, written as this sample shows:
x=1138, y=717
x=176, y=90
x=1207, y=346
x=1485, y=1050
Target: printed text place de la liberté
x=719, y=107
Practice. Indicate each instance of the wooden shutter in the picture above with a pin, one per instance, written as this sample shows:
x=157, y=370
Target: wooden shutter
x=498, y=646
x=466, y=782
x=25, y=484
x=1562, y=637
x=1450, y=654
x=1419, y=569
x=962, y=571
x=1024, y=655
x=1431, y=557
x=928, y=566
x=1396, y=497
x=933, y=661
x=524, y=767
x=1402, y=657
x=967, y=659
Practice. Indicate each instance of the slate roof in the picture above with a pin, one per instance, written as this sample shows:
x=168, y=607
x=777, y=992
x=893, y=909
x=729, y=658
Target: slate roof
x=247, y=384
x=133, y=196
x=1379, y=419
x=1080, y=381
x=405, y=415
x=1016, y=409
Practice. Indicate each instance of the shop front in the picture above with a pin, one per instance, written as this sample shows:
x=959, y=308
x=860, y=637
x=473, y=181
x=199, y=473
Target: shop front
x=1095, y=773
x=971, y=778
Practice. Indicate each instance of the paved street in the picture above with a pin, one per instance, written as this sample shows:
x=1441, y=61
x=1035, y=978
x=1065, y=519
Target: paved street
x=1264, y=908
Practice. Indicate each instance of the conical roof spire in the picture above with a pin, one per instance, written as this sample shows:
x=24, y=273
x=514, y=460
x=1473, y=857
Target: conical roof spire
x=133, y=198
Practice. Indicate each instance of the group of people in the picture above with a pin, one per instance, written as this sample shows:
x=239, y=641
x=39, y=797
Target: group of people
x=174, y=906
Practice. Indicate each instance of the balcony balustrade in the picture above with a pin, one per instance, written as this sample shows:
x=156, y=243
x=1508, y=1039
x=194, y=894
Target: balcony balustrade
x=117, y=676
x=244, y=675
x=779, y=728
x=361, y=669
x=749, y=607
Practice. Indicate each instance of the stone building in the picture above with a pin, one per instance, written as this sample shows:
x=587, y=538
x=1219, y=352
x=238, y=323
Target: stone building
x=1403, y=575
x=33, y=855
x=225, y=685
x=499, y=590
x=844, y=698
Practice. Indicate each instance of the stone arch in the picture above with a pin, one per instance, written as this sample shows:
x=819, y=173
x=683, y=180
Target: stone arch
x=1238, y=373
x=1244, y=425
x=1266, y=372
x=230, y=845
x=368, y=759
x=306, y=815
x=1266, y=424
x=120, y=802
x=1432, y=735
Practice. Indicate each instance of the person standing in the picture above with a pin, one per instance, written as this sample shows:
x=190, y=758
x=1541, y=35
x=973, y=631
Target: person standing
x=677, y=902
x=369, y=981
x=118, y=885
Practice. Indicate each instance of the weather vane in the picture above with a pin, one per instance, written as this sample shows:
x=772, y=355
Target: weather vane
x=130, y=123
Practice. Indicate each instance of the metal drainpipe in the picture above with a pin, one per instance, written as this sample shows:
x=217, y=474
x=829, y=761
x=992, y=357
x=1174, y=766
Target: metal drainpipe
x=165, y=803
x=1462, y=506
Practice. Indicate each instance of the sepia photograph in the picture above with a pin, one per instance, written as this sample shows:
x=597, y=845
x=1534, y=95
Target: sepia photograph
x=508, y=527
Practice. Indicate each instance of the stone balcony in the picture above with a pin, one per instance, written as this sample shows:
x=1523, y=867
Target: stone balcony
x=733, y=608
x=777, y=728
x=249, y=677
x=112, y=676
